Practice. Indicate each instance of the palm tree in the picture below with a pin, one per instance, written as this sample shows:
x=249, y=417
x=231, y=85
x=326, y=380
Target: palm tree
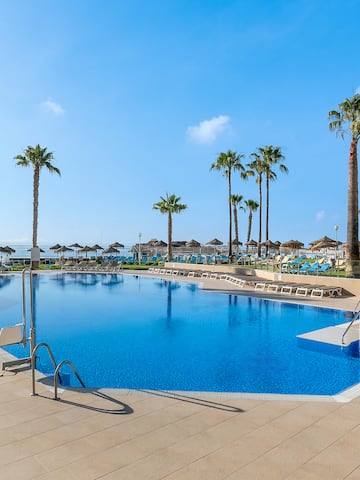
x=251, y=206
x=272, y=156
x=169, y=205
x=227, y=163
x=236, y=203
x=37, y=158
x=258, y=167
x=347, y=120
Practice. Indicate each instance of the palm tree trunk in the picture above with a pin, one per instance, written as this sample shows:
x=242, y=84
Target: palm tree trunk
x=230, y=218
x=169, y=249
x=267, y=214
x=352, y=242
x=249, y=229
x=35, y=205
x=236, y=225
x=260, y=219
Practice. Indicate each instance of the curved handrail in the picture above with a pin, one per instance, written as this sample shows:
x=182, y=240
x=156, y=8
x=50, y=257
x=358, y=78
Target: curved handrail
x=356, y=316
x=36, y=348
x=57, y=374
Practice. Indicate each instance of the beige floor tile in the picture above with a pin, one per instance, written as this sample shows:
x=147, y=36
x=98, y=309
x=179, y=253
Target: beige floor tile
x=65, y=454
x=25, y=469
x=336, y=461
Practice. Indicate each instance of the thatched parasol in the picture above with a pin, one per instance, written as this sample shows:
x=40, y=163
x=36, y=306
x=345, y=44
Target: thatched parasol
x=215, y=241
x=193, y=244
x=294, y=244
x=55, y=247
x=117, y=245
x=324, y=239
x=270, y=244
x=251, y=243
x=110, y=249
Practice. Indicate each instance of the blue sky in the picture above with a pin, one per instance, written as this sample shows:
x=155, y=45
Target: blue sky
x=137, y=98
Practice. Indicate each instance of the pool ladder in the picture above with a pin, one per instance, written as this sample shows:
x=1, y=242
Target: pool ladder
x=356, y=316
x=57, y=368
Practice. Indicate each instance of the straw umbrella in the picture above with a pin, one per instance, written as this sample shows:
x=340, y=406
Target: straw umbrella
x=86, y=250
x=64, y=249
x=216, y=243
x=292, y=245
x=110, y=250
x=76, y=246
x=97, y=247
x=193, y=244
x=117, y=245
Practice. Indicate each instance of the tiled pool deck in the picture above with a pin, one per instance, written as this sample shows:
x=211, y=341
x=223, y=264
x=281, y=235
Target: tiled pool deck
x=134, y=435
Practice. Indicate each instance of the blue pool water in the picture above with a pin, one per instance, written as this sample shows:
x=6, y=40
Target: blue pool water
x=128, y=331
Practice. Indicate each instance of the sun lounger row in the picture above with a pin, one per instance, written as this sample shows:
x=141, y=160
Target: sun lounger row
x=286, y=288
x=298, y=289
x=83, y=266
x=184, y=273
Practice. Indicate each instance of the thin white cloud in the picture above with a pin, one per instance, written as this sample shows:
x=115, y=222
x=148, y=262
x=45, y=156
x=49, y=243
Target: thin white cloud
x=208, y=130
x=53, y=107
x=320, y=215
x=358, y=90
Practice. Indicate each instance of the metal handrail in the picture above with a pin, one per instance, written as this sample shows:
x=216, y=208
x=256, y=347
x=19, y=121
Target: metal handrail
x=56, y=368
x=356, y=316
x=33, y=357
x=57, y=374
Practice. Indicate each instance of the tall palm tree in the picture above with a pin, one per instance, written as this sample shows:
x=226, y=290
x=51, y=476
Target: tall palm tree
x=251, y=206
x=347, y=120
x=236, y=201
x=258, y=167
x=37, y=158
x=228, y=162
x=169, y=205
x=272, y=156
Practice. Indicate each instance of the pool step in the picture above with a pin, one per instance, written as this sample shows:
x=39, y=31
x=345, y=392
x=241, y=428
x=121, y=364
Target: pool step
x=333, y=335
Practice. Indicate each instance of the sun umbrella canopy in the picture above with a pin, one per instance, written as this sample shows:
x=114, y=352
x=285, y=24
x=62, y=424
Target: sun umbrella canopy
x=55, y=247
x=87, y=249
x=323, y=239
x=9, y=250
x=111, y=249
x=193, y=243
x=215, y=241
x=251, y=243
x=160, y=243
x=270, y=244
x=97, y=247
x=64, y=248
x=292, y=244
x=117, y=245
x=76, y=245
x=234, y=242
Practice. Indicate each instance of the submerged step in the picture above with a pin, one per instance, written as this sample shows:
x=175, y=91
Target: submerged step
x=329, y=340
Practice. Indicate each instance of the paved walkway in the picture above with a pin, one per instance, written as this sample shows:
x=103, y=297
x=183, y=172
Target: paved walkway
x=134, y=435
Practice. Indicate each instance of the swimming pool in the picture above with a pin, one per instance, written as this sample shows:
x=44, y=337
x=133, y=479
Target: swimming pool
x=128, y=331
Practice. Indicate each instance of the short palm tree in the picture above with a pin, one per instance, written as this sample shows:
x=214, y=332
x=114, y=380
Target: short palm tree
x=251, y=206
x=347, y=120
x=228, y=162
x=169, y=205
x=236, y=201
x=37, y=158
x=272, y=156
